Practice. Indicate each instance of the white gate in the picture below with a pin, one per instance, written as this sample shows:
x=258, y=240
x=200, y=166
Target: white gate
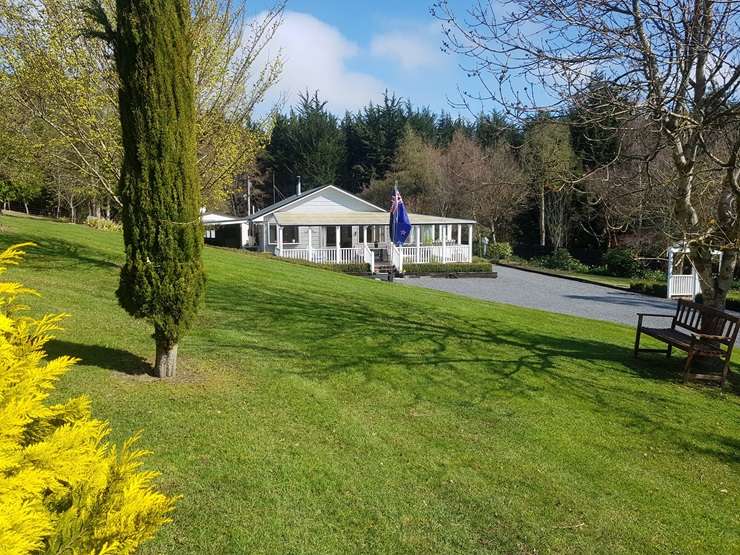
x=684, y=285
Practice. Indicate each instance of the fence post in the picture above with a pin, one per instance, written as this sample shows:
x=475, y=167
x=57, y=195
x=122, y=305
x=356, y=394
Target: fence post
x=417, y=236
x=337, y=234
x=669, y=289
x=470, y=242
x=443, y=230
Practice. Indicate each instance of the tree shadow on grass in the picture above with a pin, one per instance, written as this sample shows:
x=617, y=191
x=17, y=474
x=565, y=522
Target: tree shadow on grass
x=108, y=358
x=51, y=252
x=458, y=358
x=396, y=333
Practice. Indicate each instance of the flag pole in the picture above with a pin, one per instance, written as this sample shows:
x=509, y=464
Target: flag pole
x=395, y=215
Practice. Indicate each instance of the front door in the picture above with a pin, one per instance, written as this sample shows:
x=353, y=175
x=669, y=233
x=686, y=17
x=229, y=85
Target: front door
x=345, y=233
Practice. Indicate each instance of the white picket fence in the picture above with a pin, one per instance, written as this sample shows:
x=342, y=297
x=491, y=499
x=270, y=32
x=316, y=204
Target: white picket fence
x=685, y=285
x=436, y=253
x=396, y=255
x=327, y=255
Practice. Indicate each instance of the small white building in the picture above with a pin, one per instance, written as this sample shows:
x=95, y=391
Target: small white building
x=226, y=231
x=330, y=225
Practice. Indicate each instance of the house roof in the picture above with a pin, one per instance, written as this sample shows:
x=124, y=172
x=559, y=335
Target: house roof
x=357, y=218
x=290, y=200
x=220, y=219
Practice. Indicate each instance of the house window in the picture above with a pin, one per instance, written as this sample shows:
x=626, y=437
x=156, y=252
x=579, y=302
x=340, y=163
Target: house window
x=290, y=234
x=375, y=234
x=331, y=236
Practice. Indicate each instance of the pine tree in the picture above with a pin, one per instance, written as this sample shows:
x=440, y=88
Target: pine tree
x=307, y=142
x=162, y=279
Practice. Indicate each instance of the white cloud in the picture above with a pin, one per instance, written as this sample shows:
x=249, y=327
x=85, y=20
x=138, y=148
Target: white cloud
x=315, y=57
x=411, y=49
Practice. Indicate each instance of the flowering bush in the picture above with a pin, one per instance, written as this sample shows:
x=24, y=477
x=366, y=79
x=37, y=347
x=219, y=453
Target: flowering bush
x=500, y=251
x=103, y=224
x=63, y=487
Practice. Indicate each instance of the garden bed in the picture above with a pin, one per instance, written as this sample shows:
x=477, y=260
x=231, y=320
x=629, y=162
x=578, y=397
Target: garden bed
x=430, y=268
x=482, y=269
x=451, y=274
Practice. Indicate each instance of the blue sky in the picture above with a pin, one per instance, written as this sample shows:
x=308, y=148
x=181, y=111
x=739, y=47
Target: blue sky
x=352, y=50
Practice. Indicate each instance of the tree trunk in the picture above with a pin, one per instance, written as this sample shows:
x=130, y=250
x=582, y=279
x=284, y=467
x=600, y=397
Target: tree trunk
x=25, y=205
x=542, y=215
x=684, y=208
x=165, y=365
x=714, y=289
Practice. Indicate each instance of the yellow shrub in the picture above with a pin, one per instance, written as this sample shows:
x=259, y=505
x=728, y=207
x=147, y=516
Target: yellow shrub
x=63, y=487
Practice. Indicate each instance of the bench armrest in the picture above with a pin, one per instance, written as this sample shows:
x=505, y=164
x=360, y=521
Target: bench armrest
x=710, y=337
x=655, y=315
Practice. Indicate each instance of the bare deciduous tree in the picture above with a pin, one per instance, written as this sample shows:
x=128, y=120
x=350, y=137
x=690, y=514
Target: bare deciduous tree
x=485, y=183
x=674, y=65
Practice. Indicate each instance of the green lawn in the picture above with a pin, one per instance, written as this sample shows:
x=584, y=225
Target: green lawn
x=321, y=413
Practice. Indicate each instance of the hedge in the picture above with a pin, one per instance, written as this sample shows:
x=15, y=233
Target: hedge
x=561, y=259
x=348, y=268
x=622, y=262
x=661, y=290
x=654, y=289
x=351, y=268
x=439, y=268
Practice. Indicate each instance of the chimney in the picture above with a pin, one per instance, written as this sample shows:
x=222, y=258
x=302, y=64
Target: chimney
x=298, y=187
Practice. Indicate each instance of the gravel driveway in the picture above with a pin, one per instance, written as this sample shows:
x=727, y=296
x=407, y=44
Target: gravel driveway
x=552, y=294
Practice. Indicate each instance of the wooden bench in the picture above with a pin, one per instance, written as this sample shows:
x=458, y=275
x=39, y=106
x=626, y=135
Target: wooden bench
x=697, y=329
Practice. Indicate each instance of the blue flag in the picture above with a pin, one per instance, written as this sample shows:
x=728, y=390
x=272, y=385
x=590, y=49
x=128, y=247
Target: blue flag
x=400, y=223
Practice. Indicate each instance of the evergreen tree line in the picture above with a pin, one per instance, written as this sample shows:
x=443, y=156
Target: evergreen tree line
x=553, y=181
x=358, y=149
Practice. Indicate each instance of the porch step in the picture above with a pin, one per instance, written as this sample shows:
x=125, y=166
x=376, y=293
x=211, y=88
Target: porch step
x=384, y=268
x=385, y=271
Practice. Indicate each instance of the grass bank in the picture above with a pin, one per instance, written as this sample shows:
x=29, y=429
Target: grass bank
x=322, y=413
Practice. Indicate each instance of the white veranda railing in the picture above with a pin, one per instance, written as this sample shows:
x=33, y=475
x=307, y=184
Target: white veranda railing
x=396, y=255
x=327, y=255
x=369, y=257
x=436, y=253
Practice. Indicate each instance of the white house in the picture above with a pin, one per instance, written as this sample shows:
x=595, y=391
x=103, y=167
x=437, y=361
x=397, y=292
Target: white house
x=330, y=225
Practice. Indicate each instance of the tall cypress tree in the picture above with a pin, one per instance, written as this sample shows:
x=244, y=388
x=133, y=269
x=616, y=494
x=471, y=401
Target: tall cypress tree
x=162, y=279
